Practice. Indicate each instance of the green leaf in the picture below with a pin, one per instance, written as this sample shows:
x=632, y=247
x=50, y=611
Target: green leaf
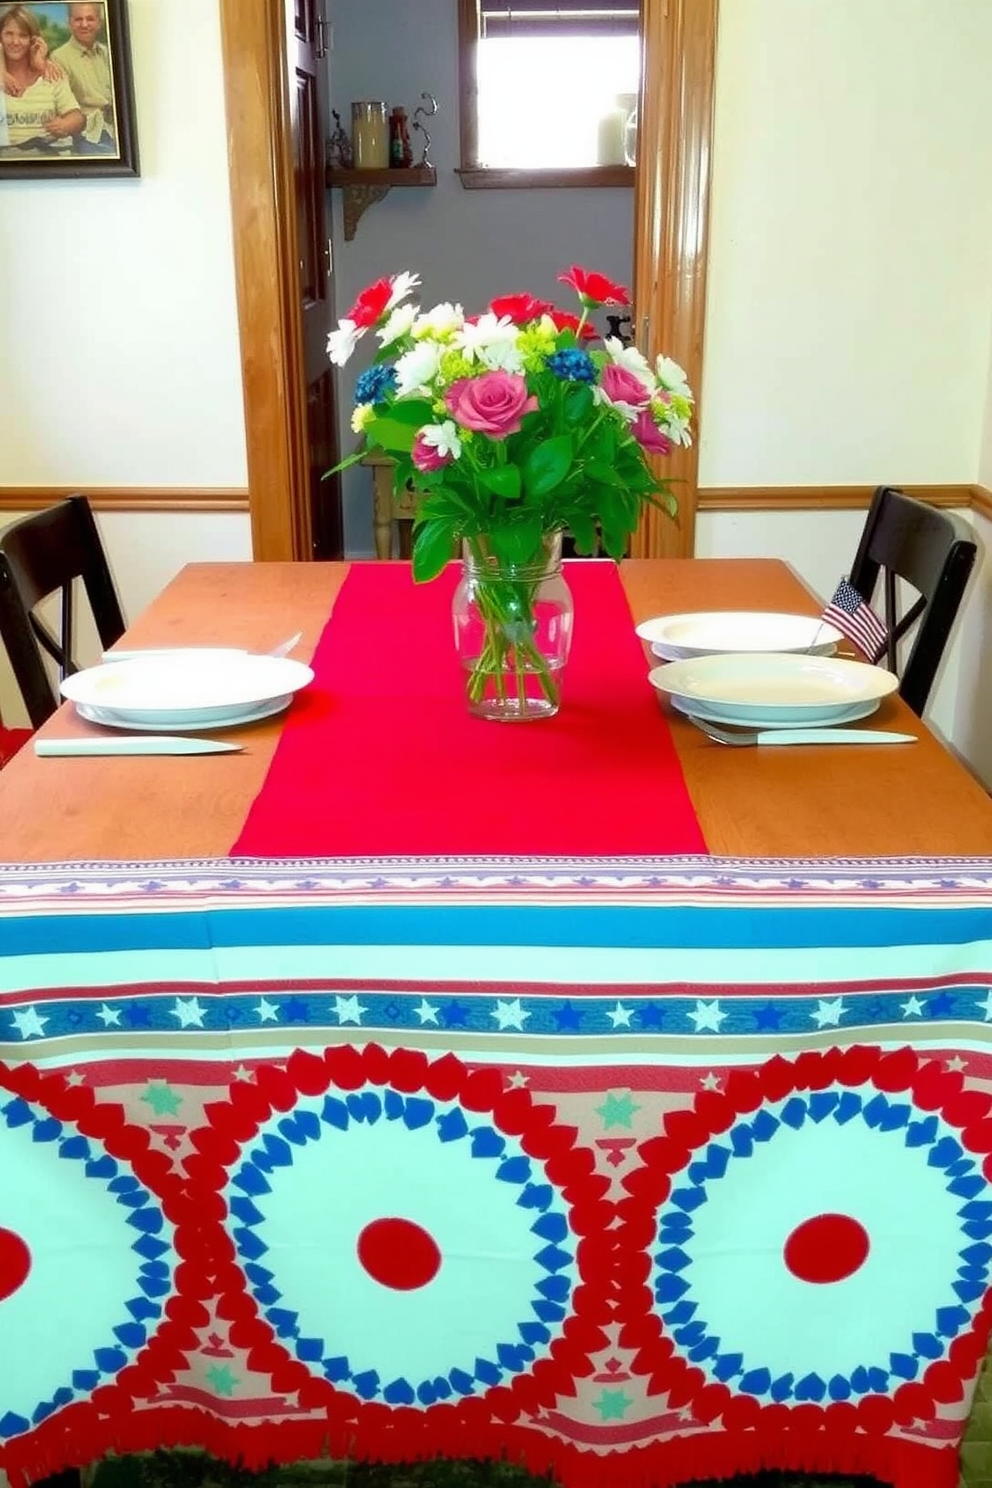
x=518, y=543
x=578, y=404
x=433, y=546
x=415, y=411
x=502, y=480
x=390, y=434
x=605, y=474
x=344, y=464
x=583, y=530
x=547, y=465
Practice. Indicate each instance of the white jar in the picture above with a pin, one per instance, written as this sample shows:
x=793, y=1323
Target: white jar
x=370, y=135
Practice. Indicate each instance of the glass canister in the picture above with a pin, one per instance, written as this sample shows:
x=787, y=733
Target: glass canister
x=370, y=135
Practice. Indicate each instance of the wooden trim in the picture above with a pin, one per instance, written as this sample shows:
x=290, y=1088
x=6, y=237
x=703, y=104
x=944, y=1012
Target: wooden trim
x=981, y=501
x=821, y=498
x=507, y=178
x=263, y=214
x=469, y=26
x=132, y=498
x=675, y=130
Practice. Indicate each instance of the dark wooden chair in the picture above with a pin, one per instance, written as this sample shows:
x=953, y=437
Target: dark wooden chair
x=43, y=555
x=933, y=552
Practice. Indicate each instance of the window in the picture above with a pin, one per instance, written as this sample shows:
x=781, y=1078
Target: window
x=546, y=89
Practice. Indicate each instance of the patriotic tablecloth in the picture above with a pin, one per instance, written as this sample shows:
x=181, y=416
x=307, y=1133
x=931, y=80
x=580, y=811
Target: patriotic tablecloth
x=637, y=1171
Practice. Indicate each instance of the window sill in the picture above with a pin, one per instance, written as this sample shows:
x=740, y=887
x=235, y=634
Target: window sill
x=507, y=178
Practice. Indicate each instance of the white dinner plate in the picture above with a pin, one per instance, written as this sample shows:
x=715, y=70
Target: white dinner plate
x=196, y=690
x=719, y=632
x=781, y=687
x=109, y=719
x=710, y=713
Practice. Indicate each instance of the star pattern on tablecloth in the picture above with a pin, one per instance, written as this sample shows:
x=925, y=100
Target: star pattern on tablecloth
x=828, y=1012
x=163, y=1100
x=188, y=1012
x=426, y=1012
x=29, y=1022
x=620, y=1016
x=708, y=1015
x=267, y=1012
x=914, y=1007
x=509, y=1014
x=613, y=1405
x=348, y=1010
x=221, y=1379
x=618, y=1109
x=109, y=1016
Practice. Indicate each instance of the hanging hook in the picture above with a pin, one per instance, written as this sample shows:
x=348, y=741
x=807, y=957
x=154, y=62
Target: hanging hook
x=421, y=112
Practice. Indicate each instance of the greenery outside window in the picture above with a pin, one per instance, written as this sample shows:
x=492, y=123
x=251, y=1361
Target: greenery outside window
x=545, y=89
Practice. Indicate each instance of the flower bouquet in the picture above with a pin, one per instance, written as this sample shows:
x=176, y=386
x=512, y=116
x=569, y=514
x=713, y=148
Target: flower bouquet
x=515, y=428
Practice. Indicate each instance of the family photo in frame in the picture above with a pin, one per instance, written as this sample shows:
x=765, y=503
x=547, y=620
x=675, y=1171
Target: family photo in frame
x=66, y=90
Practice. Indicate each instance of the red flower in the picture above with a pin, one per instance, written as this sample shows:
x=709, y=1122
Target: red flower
x=520, y=307
x=371, y=303
x=566, y=322
x=594, y=289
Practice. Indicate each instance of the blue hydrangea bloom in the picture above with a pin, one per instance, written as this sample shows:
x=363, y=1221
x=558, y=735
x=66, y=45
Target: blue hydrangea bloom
x=374, y=383
x=573, y=365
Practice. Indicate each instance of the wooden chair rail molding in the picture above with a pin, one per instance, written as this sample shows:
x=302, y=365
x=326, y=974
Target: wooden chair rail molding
x=129, y=498
x=710, y=498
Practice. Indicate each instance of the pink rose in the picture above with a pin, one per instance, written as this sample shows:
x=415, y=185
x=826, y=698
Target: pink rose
x=649, y=436
x=492, y=404
x=621, y=386
x=426, y=457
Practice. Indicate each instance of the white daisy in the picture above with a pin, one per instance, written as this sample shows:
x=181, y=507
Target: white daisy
x=492, y=340
x=397, y=324
x=417, y=369
x=672, y=377
x=441, y=322
x=342, y=342
x=443, y=437
x=402, y=284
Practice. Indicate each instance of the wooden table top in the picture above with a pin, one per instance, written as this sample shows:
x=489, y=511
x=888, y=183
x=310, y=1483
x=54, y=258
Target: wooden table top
x=908, y=800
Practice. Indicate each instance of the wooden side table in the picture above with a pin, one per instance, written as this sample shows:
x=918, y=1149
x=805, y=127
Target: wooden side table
x=388, y=508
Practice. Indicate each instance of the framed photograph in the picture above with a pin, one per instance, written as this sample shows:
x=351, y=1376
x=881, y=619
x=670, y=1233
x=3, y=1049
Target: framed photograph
x=66, y=91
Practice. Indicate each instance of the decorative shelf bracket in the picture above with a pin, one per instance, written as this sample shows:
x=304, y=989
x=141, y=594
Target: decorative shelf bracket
x=361, y=189
x=356, y=199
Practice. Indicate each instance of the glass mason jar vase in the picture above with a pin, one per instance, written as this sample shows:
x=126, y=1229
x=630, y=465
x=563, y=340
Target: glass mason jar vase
x=513, y=630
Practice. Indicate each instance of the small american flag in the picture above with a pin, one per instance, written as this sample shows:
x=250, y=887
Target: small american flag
x=854, y=617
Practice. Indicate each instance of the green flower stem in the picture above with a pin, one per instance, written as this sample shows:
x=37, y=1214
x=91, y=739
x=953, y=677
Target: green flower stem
x=507, y=610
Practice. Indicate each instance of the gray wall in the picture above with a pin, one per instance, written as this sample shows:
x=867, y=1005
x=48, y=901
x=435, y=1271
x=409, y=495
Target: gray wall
x=466, y=245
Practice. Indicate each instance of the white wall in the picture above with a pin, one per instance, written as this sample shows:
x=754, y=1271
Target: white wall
x=466, y=245
x=119, y=329
x=849, y=303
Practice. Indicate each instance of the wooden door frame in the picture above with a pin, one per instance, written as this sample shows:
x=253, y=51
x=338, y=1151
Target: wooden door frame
x=670, y=251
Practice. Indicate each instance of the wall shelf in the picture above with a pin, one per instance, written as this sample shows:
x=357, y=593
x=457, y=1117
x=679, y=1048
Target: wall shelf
x=361, y=188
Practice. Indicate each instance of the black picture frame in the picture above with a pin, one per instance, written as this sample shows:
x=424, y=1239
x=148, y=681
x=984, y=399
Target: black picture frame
x=106, y=144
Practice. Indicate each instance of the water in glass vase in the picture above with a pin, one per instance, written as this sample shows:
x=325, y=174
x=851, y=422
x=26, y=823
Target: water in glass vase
x=513, y=631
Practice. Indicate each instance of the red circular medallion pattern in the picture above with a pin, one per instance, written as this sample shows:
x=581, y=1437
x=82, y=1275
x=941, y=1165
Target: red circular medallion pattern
x=826, y=1248
x=398, y=1253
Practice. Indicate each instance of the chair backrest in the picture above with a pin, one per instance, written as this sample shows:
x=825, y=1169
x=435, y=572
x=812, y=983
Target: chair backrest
x=40, y=556
x=931, y=550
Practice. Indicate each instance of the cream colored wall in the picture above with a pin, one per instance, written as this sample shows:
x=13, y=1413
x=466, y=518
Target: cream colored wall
x=849, y=303
x=118, y=333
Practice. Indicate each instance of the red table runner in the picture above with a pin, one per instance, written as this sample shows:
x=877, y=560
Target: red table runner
x=380, y=756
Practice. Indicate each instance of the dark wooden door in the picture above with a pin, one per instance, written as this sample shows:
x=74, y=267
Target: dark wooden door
x=307, y=24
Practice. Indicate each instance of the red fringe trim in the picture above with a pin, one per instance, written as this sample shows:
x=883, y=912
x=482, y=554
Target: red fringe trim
x=411, y=1436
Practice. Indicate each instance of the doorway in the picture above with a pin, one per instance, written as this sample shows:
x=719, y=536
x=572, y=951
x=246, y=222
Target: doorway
x=670, y=248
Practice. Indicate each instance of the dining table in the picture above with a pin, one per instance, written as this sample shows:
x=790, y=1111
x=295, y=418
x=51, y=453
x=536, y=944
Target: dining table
x=585, y=1093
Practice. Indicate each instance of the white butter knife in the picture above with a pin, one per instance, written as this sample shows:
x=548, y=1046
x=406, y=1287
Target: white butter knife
x=746, y=736
x=146, y=744
x=832, y=736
